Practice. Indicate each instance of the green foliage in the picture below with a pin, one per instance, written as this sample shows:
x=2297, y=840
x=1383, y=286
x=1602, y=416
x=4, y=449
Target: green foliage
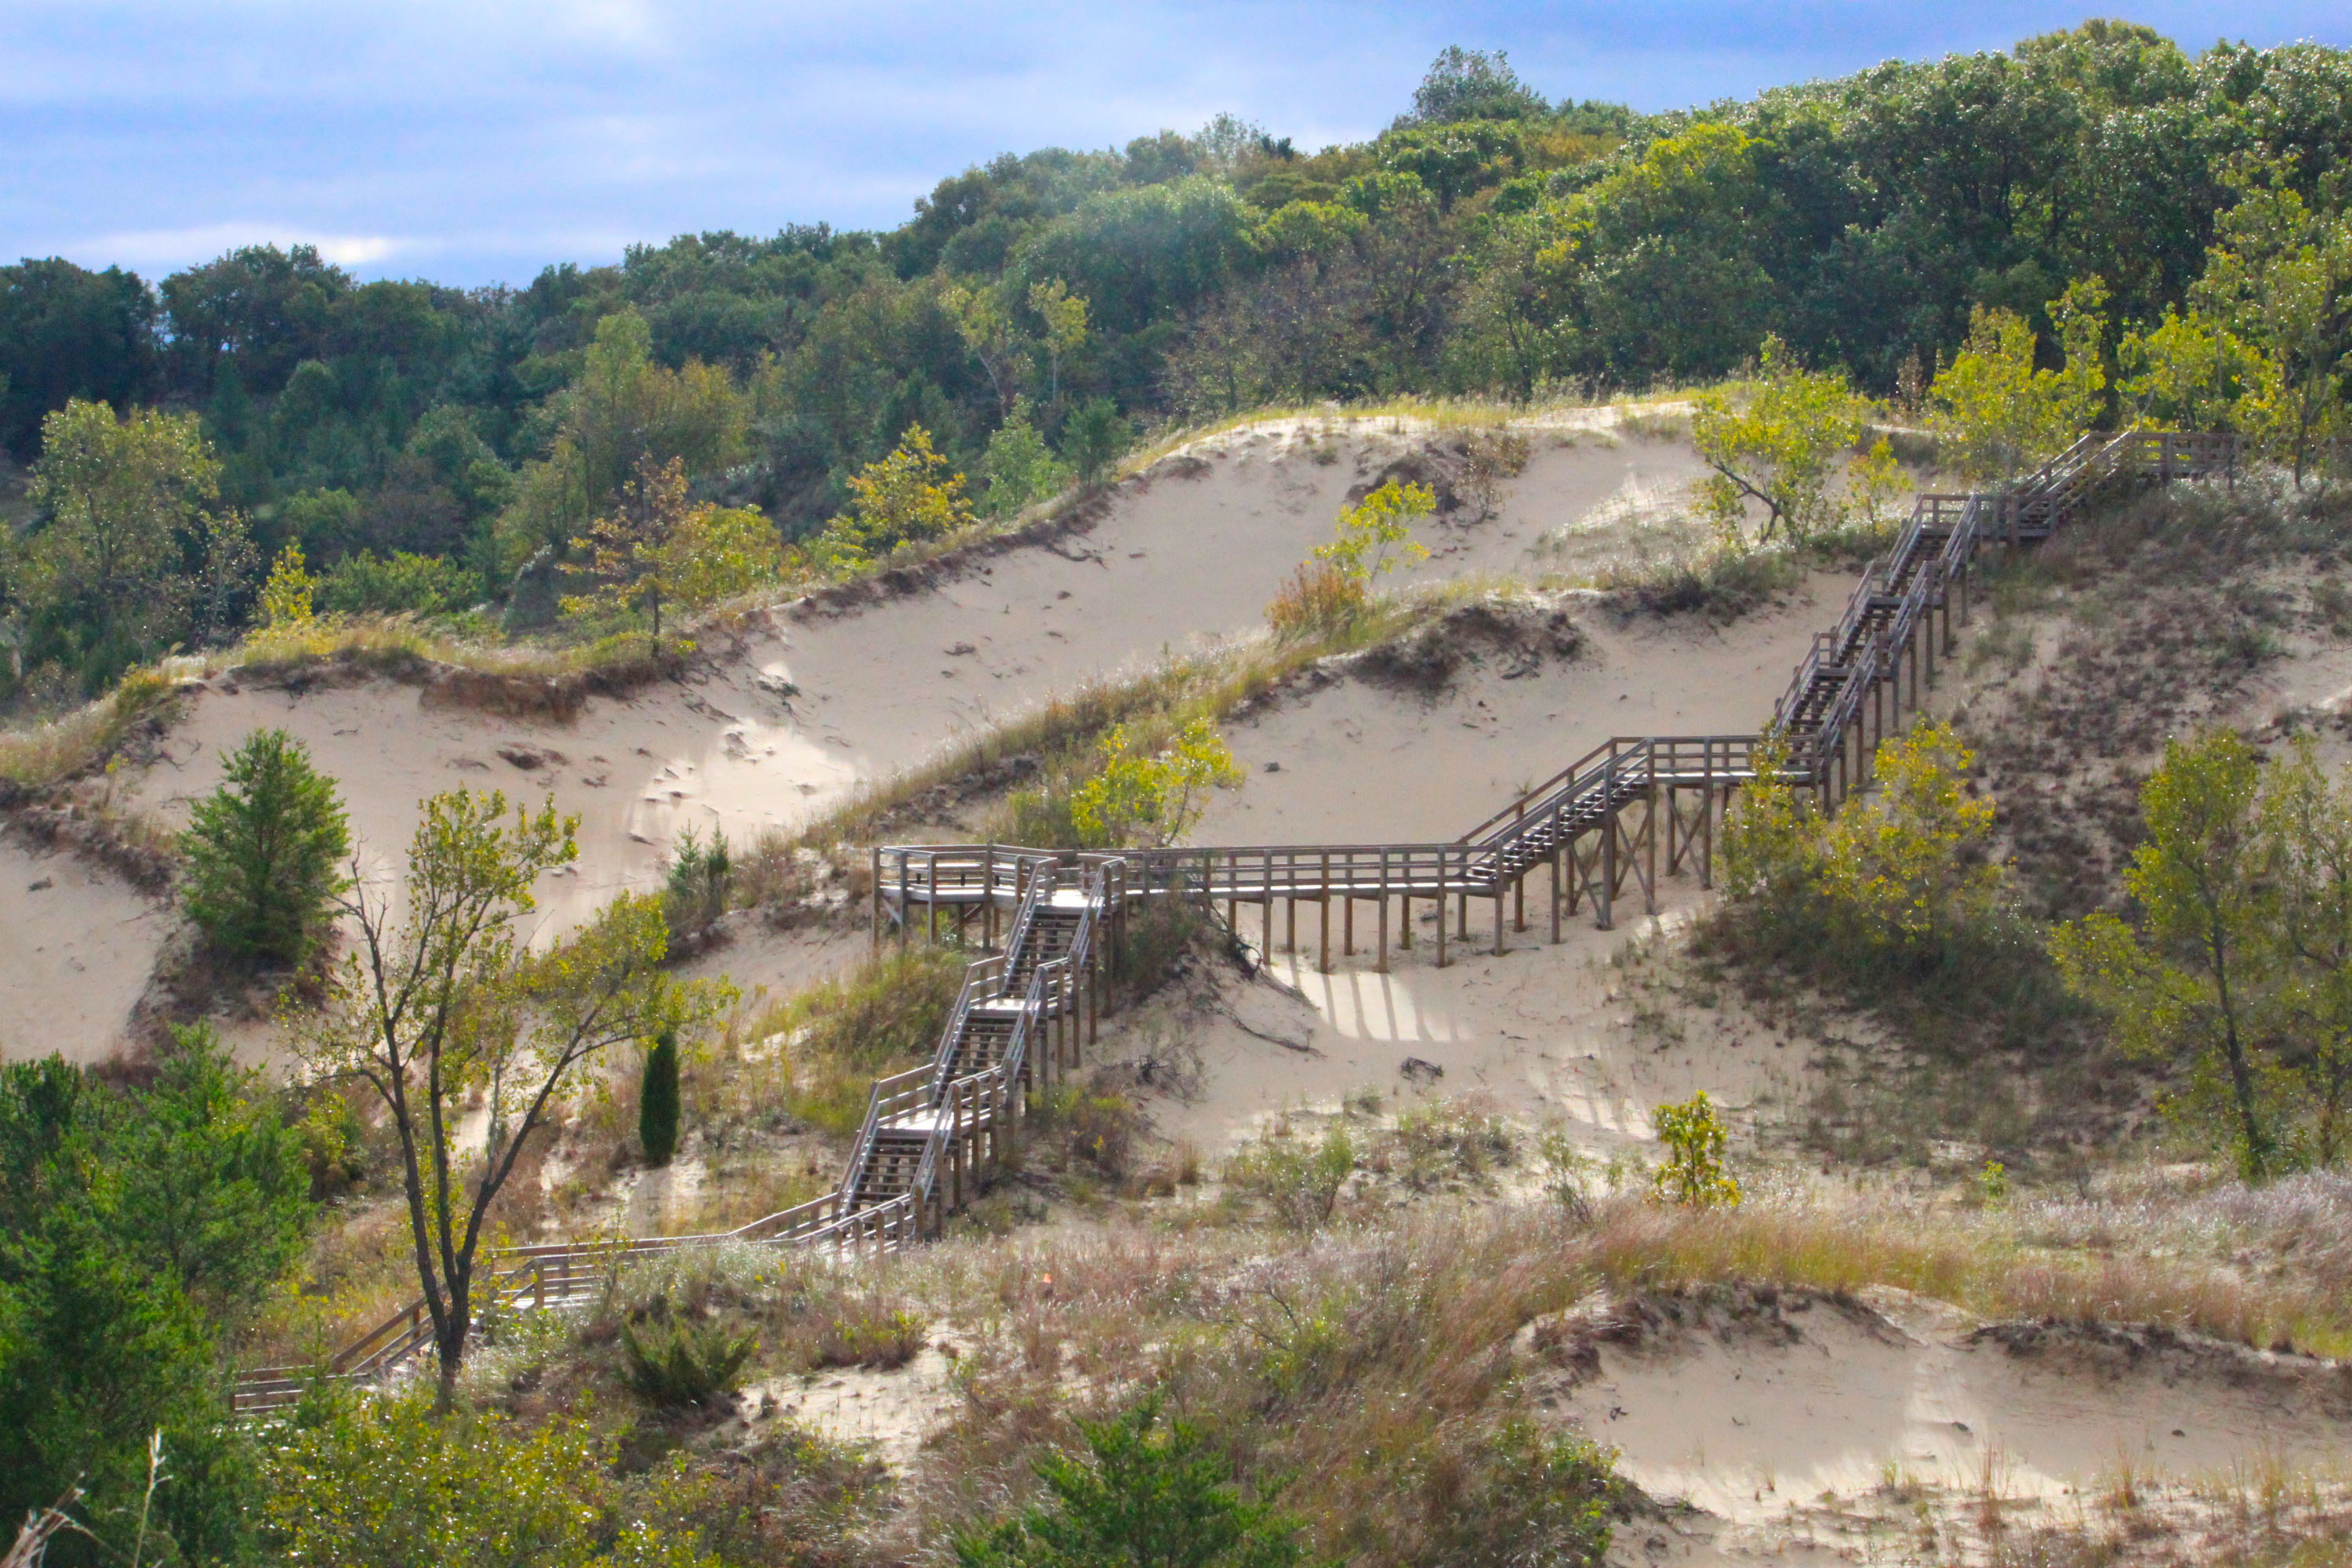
x=111, y=579
x=390, y=1481
x=1899, y=875
x=399, y=584
x=653, y=551
x=1143, y=1495
x=264, y=853
x=1375, y=534
x=1021, y=469
x=139, y=1228
x=622, y=416
x=1783, y=445
x=2187, y=372
x=1539, y=1497
x=700, y=881
x=1998, y=416
x=1693, y=1174
x=657, y=1100
x=1154, y=796
x=1905, y=863
x=1095, y=438
x=286, y=597
x=2187, y=984
x=1299, y=1182
x=910, y=497
x=2279, y=278
x=449, y=999
x=2240, y=964
x=674, y=1363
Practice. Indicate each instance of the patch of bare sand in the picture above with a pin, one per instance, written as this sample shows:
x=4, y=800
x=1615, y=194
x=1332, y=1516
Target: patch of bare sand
x=1803, y=1426
x=76, y=947
x=887, y=1415
x=1544, y=1030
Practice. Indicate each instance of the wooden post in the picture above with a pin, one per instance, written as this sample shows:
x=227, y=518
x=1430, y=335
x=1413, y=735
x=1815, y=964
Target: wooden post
x=1607, y=895
x=1404, y=922
x=1382, y=966
x=876, y=884
x=1557, y=849
x=1290, y=927
x=1323, y=920
x=1498, y=923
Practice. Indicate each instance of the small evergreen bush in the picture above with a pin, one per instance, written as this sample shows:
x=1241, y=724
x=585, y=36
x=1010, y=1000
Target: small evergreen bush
x=657, y=1102
x=264, y=853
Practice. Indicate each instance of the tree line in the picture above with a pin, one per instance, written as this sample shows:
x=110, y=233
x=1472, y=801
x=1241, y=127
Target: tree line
x=420, y=444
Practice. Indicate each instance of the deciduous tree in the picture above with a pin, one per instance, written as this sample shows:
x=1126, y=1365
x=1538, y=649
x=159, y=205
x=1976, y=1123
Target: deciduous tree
x=440, y=999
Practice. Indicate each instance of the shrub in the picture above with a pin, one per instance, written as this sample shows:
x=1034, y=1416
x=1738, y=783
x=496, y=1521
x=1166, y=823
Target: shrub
x=701, y=876
x=657, y=1100
x=871, y=1334
x=264, y=852
x=674, y=1365
x=400, y=583
x=1152, y=797
x=1318, y=600
x=1299, y=1182
x=389, y=1480
x=1141, y=1495
x=1693, y=1174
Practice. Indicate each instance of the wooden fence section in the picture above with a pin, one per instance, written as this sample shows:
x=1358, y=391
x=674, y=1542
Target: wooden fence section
x=1595, y=829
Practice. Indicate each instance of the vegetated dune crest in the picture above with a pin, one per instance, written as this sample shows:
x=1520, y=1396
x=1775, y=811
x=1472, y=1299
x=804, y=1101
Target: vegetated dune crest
x=794, y=715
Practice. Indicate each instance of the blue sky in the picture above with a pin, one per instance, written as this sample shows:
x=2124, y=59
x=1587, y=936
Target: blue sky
x=476, y=141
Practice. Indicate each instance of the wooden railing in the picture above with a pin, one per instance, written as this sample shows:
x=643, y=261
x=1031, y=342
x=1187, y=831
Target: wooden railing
x=1570, y=823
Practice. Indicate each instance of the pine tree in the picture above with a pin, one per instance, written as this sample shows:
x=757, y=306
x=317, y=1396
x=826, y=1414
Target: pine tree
x=657, y=1103
x=264, y=852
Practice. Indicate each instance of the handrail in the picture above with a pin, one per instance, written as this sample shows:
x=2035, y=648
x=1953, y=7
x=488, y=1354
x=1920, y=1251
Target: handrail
x=1840, y=670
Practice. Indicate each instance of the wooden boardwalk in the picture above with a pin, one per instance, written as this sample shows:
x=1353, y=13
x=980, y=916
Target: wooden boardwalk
x=1599, y=828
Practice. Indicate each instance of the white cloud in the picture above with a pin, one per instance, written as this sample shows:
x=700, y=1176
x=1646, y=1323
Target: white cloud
x=175, y=248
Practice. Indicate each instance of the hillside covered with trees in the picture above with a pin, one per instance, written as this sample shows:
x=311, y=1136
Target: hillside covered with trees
x=419, y=444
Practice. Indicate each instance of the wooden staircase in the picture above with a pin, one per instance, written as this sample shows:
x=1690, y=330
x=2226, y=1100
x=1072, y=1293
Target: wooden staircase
x=1597, y=827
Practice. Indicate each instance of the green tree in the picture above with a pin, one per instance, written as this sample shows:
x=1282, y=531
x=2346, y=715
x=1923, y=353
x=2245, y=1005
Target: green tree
x=1065, y=315
x=213, y=1188
x=657, y=1100
x=2187, y=372
x=1997, y=415
x=1146, y=1495
x=126, y=501
x=989, y=333
x=1141, y=795
x=622, y=413
x=1906, y=864
x=2193, y=982
x=139, y=1229
x=286, y=597
x=2279, y=274
x=2306, y=823
x=441, y=998
x=1021, y=467
x=1095, y=436
x=1783, y=443
x=908, y=497
x=654, y=549
x=264, y=852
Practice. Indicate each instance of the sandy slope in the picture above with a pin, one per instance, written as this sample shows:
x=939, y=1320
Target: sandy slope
x=1816, y=1427
x=791, y=719
x=75, y=945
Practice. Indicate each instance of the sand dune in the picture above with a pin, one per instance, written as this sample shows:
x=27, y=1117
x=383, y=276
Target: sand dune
x=786, y=723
